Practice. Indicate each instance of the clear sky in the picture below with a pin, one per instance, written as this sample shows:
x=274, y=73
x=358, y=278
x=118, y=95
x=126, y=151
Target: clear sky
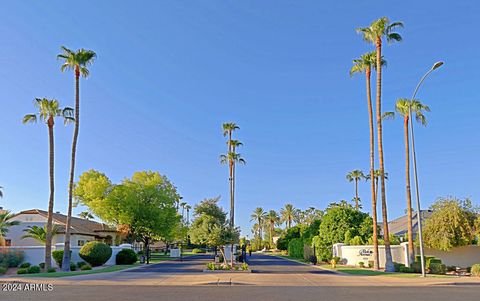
x=169, y=73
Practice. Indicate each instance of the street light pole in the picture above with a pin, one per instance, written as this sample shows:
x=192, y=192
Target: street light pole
x=417, y=193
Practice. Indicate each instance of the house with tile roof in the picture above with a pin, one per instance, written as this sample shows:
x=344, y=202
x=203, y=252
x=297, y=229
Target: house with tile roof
x=82, y=230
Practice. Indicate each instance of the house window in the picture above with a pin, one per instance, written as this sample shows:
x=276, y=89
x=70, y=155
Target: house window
x=81, y=242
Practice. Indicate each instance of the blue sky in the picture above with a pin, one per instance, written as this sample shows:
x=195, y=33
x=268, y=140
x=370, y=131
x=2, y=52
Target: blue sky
x=169, y=73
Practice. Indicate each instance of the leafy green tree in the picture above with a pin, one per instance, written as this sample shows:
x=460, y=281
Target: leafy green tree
x=144, y=204
x=402, y=107
x=78, y=61
x=340, y=221
x=210, y=227
x=48, y=110
x=355, y=176
x=291, y=233
x=40, y=233
x=451, y=224
x=375, y=33
x=5, y=224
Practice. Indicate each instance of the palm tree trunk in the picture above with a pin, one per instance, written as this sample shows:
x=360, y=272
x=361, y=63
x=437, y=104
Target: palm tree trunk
x=356, y=194
x=372, y=172
x=48, y=239
x=411, y=250
x=66, y=250
x=388, y=252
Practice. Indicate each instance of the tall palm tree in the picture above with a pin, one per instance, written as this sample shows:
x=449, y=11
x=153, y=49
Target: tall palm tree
x=376, y=177
x=365, y=64
x=188, y=207
x=228, y=129
x=5, y=224
x=40, y=233
x=272, y=218
x=259, y=216
x=78, y=61
x=402, y=107
x=183, y=204
x=232, y=159
x=48, y=110
x=355, y=176
x=288, y=213
x=375, y=33
x=1, y=192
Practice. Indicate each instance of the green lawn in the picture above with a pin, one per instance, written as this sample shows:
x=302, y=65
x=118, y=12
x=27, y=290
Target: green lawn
x=359, y=271
x=113, y=268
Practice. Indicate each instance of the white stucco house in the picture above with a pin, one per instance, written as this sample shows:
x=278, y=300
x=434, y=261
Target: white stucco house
x=82, y=230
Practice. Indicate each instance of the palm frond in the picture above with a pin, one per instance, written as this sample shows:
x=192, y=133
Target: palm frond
x=29, y=118
x=388, y=115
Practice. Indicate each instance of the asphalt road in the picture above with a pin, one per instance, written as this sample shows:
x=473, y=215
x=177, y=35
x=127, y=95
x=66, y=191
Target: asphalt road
x=242, y=293
x=190, y=264
x=266, y=264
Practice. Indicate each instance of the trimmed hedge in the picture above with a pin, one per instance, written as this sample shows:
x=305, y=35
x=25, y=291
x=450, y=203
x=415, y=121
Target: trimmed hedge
x=475, y=270
x=86, y=267
x=198, y=251
x=3, y=270
x=126, y=256
x=95, y=253
x=58, y=257
x=25, y=265
x=295, y=248
x=34, y=269
x=438, y=268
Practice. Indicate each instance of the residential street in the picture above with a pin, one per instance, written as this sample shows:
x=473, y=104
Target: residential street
x=272, y=278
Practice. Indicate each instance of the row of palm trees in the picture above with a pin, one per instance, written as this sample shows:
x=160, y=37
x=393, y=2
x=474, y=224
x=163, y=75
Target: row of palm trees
x=378, y=31
x=288, y=215
x=47, y=111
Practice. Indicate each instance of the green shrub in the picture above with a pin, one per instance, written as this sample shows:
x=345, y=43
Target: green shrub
x=52, y=270
x=211, y=266
x=244, y=266
x=451, y=268
x=198, y=251
x=95, y=253
x=34, y=269
x=417, y=267
x=73, y=266
x=475, y=270
x=42, y=265
x=58, y=257
x=25, y=265
x=80, y=264
x=427, y=257
x=22, y=271
x=10, y=258
x=437, y=268
x=432, y=260
x=3, y=270
x=404, y=269
x=336, y=259
x=86, y=267
x=371, y=263
x=126, y=256
x=361, y=264
x=397, y=266
x=295, y=248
